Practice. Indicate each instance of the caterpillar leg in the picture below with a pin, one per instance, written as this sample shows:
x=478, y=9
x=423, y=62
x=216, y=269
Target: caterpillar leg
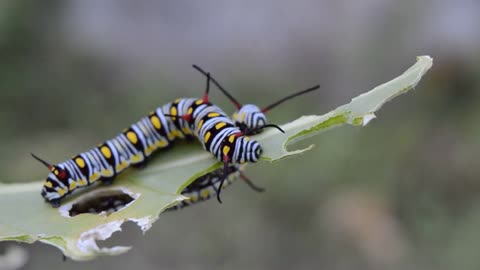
x=107, y=181
x=251, y=184
x=226, y=160
x=141, y=165
x=55, y=203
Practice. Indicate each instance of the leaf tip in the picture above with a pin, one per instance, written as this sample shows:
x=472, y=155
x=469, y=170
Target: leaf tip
x=367, y=118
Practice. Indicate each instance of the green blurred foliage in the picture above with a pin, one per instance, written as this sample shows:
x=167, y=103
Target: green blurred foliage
x=400, y=193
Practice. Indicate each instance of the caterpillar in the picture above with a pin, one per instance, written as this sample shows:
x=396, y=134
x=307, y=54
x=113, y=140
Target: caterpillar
x=253, y=121
x=185, y=117
x=249, y=118
x=207, y=186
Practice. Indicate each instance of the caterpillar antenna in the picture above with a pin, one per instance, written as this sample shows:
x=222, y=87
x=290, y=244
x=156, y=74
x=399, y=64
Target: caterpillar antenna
x=276, y=103
x=225, y=92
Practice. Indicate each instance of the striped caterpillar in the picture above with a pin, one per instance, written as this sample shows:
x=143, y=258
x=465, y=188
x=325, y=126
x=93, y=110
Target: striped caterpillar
x=250, y=119
x=208, y=185
x=182, y=118
x=187, y=117
x=202, y=188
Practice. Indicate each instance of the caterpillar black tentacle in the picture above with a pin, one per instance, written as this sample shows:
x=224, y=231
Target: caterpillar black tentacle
x=251, y=184
x=180, y=119
x=208, y=185
x=249, y=118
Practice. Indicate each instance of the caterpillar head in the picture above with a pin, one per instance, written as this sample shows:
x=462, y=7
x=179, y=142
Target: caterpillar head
x=250, y=119
x=54, y=187
x=247, y=150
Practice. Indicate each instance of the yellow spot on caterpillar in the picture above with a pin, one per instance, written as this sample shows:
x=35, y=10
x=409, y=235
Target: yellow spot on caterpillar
x=48, y=184
x=173, y=111
x=177, y=100
x=198, y=102
x=235, y=116
x=132, y=137
x=175, y=133
x=186, y=130
x=94, y=177
x=52, y=169
x=82, y=182
x=106, y=172
x=150, y=149
x=220, y=125
x=247, y=138
x=190, y=110
x=213, y=114
x=242, y=117
x=106, y=152
x=136, y=159
x=194, y=198
x=226, y=149
x=231, y=138
x=156, y=122
x=122, y=166
x=205, y=193
x=73, y=185
x=207, y=137
x=61, y=191
x=80, y=162
x=162, y=144
x=200, y=124
x=56, y=172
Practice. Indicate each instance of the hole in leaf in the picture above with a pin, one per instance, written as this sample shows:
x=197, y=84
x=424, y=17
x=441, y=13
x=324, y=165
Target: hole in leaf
x=104, y=202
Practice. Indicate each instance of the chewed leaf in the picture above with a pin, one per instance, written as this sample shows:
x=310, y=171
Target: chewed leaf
x=141, y=195
x=359, y=112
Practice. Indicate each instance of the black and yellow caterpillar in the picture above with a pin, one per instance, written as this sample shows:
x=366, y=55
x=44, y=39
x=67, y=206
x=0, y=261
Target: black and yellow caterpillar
x=185, y=117
x=207, y=186
x=182, y=118
x=250, y=119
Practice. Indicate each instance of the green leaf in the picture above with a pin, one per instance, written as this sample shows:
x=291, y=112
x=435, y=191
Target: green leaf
x=26, y=218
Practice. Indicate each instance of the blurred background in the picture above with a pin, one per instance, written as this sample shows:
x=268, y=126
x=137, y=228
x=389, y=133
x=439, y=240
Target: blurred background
x=401, y=193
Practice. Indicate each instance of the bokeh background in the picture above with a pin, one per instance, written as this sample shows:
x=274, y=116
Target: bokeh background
x=402, y=193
